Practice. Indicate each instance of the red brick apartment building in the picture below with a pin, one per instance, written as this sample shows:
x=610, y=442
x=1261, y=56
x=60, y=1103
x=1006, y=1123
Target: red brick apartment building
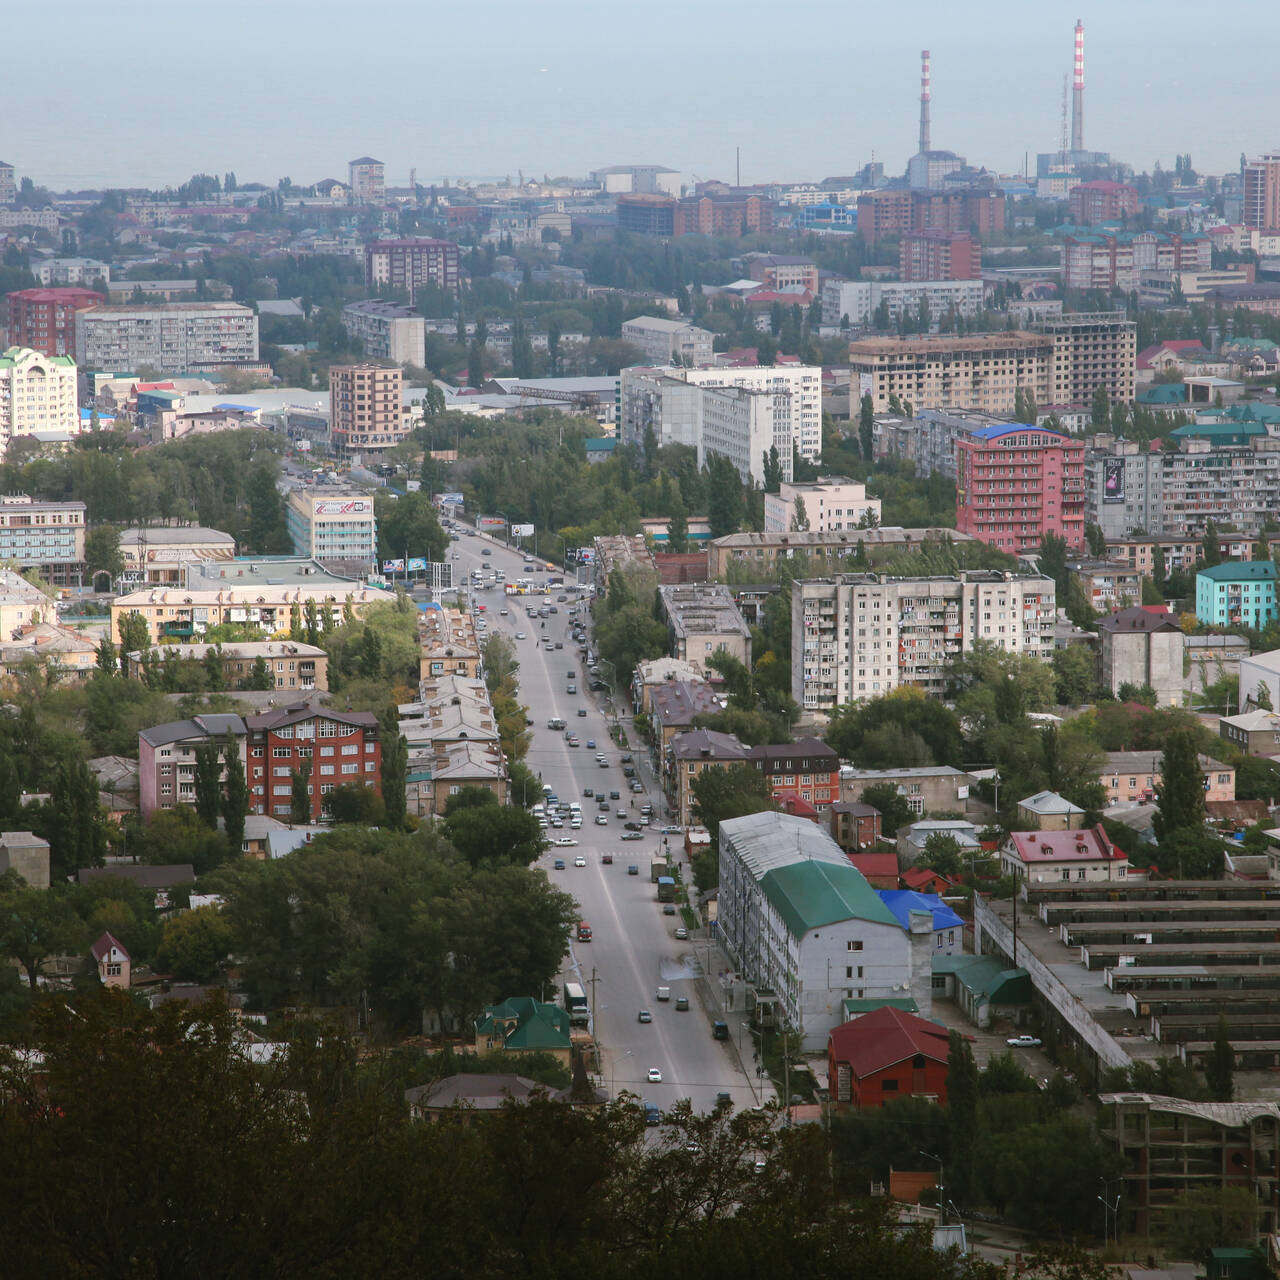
x=45, y=319
x=939, y=255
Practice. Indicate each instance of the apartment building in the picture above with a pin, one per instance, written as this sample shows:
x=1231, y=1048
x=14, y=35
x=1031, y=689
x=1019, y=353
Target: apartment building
x=1093, y=202
x=891, y=212
x=1142, y=649
x=861, y=635
x=1261, y=205
x=803, y=776
x=854, y=303
x=54, y=272
x=931, y=254
x=761, y=552
x=1124, y=488
x=1091, y=349
x=45, y=319
x=830, y=504
x=173, y=337
x=1139, y=552
x=366, y=180
x=388, y=330
x=1115, y=260
x=1015, y=484
x=936, y=432
x=8, y=186
x=366, y=413
x=1133, y=777
x=1236, y=484
x=447, y=644
x=332, y=524
x=669, y=402
x=292, y=666
x=1107, y=584
x=37, y=393
x=703, y=620
x=45, y=536
x=690, y=754
x=980, y=371
x=782, y=271
x=157, y=555
x=667, y=342
x=410, y=264
x=1237, y=594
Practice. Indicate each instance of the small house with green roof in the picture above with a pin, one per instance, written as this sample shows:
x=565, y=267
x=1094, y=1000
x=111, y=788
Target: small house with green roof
x=522, y=1024
x=1237, y=593
x=803, y=927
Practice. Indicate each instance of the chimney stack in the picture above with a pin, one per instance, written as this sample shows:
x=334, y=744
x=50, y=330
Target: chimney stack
x=924, y=101
x=1077, y=101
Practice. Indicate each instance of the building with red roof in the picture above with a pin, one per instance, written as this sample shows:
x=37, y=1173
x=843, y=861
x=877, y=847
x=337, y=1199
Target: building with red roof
x=1044, y=857
x=887, y=1054
x=925, y=880
x=45, y=319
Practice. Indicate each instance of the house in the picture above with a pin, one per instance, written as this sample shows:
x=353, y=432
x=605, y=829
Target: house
x=1041, y=857
x=159, y=878
x=927, y=788
x=854, y=826
x=947, y=927
x=880, y=869
x=113, y=962
x=1141, y=648
x=923, y=880
x=1051, y=811
x=982, y=986
x=26, y=854
x=1133, y=777
x=688, y=755
x=806, y=770
x=469, y=1092
x=887, y=1054
x=1257, y=733
x=522, y=1024
x=912, y=840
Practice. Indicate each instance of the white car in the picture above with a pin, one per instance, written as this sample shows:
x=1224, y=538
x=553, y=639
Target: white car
x=671, y=830
x=503, y=612
x=575, y=823
x=579, y=861
x=602, y=820
x=1023, y=1042
x=564, y=842
x=655, y=1076
x=520, y=635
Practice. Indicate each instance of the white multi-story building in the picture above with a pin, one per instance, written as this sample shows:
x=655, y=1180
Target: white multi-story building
x=669, y=341
x=389, y=331
x=8, y=187
x=744, y=426
x=829, y=504
x=803, y=926
x=173, y=337
x=651, y=399
x=861, y=635
x=37, y=393
x=332, y=524
x=55, y=272
x=856, y=302
x=366, y=180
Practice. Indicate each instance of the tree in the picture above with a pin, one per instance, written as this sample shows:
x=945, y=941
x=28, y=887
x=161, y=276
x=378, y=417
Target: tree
x=266, y=533
x=194, y=944
x=235, y=801
x=678, y=528
x=395, y=769
x=1053, y=561
x=409, y=525
x=1100, y=409
x=1211, y=545
x=942, y=854
x=208, y=780
x=724, y=487
x=1180, y=799
x=772, y=470
x=1202, y=1219
x=355, y=804
x=866, y=427
x=135, y=634
x=260, y=677
x=962, y=1112
x=719, y=794
x=1262, y=696
x=1220, y=1065
x=494, y=833
x=1075, y=675
x=1159, y=571
x=300, y=809
x=106, y=659
x=102, y=550
x=1096, y=539
x=894, y=810
x=1151, y=593
x=36, y=924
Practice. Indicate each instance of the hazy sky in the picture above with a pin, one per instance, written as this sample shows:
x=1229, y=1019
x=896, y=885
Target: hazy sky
x=142, y=92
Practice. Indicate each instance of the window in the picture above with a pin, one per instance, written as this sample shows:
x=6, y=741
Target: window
x=281, y=771
x=848, y=972
x=351, y=749
x=281, y=753
x=889, y=1086
x=285, y=731
x=113, y=971
x=854, y=946
x=350, y=768
x=256, y=752
x=326, y=751
x=326, y=770
x=1066, y=873
x=328, y=729
x=281, y=791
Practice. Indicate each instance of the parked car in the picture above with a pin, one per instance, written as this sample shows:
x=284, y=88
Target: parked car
x=1024, y=1042
x=682, y=934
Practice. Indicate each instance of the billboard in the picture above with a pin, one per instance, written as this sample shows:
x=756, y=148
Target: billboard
x=586, y=555
x=350, y=507
x=449, y=499
x=417, y=564
x=522, y=531
x=393, y=566
x=1113, y=481
x=866, y=384
x=490, y=522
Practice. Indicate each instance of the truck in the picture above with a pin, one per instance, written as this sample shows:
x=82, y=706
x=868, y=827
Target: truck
x=666, y=889
x=555, y=724
x=664, y=993
x=575, y=1005
x=658, y=867
x=584, y=931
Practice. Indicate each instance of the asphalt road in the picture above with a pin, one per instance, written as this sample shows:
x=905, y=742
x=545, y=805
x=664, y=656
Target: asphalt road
x=633, y=949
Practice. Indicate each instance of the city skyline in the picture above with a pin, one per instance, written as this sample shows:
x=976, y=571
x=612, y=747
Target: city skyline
x=546, y=93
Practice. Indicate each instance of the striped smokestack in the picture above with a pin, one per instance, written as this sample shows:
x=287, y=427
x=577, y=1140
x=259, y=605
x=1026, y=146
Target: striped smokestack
x=924, y=100
x=1077, y=101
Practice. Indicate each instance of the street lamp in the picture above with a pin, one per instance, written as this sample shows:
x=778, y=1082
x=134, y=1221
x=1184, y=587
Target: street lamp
x=942, y=1211
x=1111, y=1207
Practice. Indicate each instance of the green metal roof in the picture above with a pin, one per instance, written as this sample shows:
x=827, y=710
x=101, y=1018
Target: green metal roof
x=987, y=977
x=808, y=895
x=1240, y=571
x=541, y=1026
x=853, y=1008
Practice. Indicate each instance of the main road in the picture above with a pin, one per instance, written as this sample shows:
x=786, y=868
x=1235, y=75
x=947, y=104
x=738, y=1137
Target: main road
x=634, y=949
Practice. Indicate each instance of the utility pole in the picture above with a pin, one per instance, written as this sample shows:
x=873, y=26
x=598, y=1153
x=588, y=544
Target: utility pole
x=591, y=982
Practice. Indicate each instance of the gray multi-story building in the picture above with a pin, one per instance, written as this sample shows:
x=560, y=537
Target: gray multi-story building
x=1123, y=487
x=704, y=620
x=936, y=433
x=173, y=337
x=388, y=330
x=855, y=302
x=1143, y=649
x=861, y=635
x=669, y=341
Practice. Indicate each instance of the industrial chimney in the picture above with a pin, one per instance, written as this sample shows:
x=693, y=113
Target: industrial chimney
x=1077, y=101
x=924, y=101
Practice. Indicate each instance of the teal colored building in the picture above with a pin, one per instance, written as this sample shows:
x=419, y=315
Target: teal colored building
x=1237, y=593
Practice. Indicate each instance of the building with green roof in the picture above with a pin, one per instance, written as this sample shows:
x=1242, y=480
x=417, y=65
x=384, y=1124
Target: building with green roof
x=521, y=1024
x=1237, y=593
x=984, y=987
x=38, y=393
x=804, y=928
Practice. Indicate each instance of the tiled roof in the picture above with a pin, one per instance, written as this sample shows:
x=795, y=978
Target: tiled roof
x=885, y=1037
x=1065, y=846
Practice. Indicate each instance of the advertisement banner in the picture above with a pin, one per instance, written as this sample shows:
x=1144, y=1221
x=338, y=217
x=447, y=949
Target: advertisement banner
x=417, y=564
x=586, y=555
x=350, y=507
x=490, y=522
x=522, y=531
x=866, y=384
x=393, y=566
x=1113, y=481
x=449, y=499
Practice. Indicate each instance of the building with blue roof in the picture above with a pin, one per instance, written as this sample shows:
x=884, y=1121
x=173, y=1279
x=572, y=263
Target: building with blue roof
x=1237, y=593
x=907, y=906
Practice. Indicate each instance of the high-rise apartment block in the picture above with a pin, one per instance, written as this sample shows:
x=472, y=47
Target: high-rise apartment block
x=1262, y=192
x=1091, y=349
x=669, y=341
x=365, y=409
x=389, y=331
x=855, y=302
x=1111, y=260
x=1017, y=483
x=891, y=212
x=861, y=635
x=939, y=255
x=411, y=264
x=366, y=181
x=37, y=393
x=1093, y=202
x=45, y=319
x=173, y=337
x=980, y=371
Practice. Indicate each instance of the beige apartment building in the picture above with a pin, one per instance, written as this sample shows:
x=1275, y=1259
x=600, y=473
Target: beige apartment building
x=704, y=620
x=983, y=371
x=826, y=505
x=37, y=393
x=449, y=645
x=1089, y=349
x=366, y=413
x=291, y=664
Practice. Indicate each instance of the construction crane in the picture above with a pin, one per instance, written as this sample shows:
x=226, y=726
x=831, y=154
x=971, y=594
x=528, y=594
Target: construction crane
x=585, y=400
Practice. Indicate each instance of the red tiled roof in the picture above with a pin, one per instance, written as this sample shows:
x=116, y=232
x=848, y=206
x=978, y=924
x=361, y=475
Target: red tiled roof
x=921, y=878
x=1065, y=846
x=103, y=946
x=876, y=866
x=886, y=1036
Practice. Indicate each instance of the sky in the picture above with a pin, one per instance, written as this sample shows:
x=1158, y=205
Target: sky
x=145, y=94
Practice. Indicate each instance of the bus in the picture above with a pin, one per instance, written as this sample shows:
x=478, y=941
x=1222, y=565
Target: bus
x=575, y=1004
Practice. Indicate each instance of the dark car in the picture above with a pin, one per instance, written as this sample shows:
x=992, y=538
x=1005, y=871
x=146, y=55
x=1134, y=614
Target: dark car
x=631, y=826
x=486, y=552
x=582, y=711
x=682, y=1004
x=559, y=645
x=558, y=865
x=628, y=771
x=613, y=795
x=633, y=870
x=587, y=792
x=668, y=909
x=626, y=757
x=607, y=859
x=645, y=1016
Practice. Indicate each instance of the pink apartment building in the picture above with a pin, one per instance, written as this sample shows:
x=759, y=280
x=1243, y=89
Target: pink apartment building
x=1016, y=483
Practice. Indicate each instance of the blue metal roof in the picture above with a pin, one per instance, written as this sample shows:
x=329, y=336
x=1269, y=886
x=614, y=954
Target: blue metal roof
x=902, y=902
x=1010, y=428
